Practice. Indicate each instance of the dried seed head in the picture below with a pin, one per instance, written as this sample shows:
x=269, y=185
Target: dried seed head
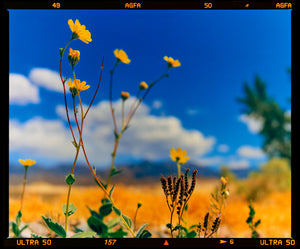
x=215, y=225
x=176, y=189
x=193, y=182
x=206, y=220
x=170, y=185
x=186, y=179
x=163, y=181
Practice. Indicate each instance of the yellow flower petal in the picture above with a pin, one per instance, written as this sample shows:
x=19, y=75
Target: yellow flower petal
x=122, y=56
x=179, y=155
x=27, y=162
x=172, y=62
x=80, y=31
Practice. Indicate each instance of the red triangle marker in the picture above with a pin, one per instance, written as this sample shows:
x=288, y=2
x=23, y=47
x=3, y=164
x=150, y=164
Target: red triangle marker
x=166, y=243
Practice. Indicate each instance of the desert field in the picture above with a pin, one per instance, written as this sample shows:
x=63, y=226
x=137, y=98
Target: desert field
x=274, y=210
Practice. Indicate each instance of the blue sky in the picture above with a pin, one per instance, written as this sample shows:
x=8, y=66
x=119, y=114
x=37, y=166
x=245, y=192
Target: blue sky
x=195, y=108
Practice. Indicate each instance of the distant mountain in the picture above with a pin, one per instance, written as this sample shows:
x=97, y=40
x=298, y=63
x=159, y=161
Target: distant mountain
x=143, y=172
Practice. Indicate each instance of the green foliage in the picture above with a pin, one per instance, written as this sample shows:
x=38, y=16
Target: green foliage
x=106, y=229
x=275, y=120
x=114, y=171
x=17, y=231
x=84, y=235
x=70, y=179
x=251, y=223
x=71, y=209
x=55, y=227
x=275, y=175
x=226, y=172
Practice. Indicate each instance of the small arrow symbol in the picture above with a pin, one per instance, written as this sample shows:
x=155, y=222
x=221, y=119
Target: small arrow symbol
x=223, y=241
x=166, y=243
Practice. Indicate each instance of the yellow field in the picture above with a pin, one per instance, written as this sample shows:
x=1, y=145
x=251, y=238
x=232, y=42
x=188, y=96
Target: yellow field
x=43, y=199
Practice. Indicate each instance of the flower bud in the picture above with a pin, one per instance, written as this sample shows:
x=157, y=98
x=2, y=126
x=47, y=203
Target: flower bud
x=143, y=85
x=224, y=180
x=73, y=57
x=124, y=95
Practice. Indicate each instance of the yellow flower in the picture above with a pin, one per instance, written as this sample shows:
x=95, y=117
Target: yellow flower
x=77, y=86
x=73, y=56
x=143, y=85
x=79, y=31
x=179, y=155
x=172, y=62
x=125, y=95
x=122, y=56
x=27, y=162
x=224, y=180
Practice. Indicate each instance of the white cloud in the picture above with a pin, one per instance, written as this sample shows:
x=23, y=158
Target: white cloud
x=21, y=90
x=46, y=78
x=250, y=152
x=148, y=137
x=157, y=104
x=210, y=161
x=254, y=124
x=41, y=138
x=223, y=148
x=238, y=164
x=192, y=111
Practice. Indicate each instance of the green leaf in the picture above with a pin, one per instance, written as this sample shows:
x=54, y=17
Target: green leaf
x=117, y=211
x=61, y=50
x=94, y=213
x=71, y=210
x=113, y=222
x=186, y=207
x=103, y=184
x=127, y=220
x=193, y=226
x=249, y=221
x=191, y=234
x=105, y=201
x=70, y=179
x=114, y=171
x=18, y=218
x=55, y=227
x=36, y=236
x=105, y=209
x=111, y=191
x=15, y=229
x=23, y=228
x=116, y=135
x=251, y=212
x=97, y=225
x=257, y=223
x=117, y=234
x=145, y=234
x=141, y=229
x=75, y=144
x=84, y=235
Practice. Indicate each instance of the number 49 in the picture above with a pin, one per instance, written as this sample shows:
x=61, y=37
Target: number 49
x=56, y=5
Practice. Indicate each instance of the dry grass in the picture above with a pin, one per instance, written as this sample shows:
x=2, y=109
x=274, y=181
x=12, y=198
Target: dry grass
x=44, y=199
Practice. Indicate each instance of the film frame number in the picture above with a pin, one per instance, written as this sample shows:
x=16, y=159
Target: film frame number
x=56, y=5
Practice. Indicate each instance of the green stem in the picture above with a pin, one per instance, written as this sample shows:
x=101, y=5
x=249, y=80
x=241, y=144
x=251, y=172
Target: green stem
x=24, y=184
x=67, y=208
x=113, y=155
x=76, y=156
x=179, y=170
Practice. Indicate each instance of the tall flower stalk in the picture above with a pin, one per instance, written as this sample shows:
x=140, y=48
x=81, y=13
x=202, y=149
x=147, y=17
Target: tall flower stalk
x=26, y=163
x=121, y=56
x=75, y=87
x=16, y=225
